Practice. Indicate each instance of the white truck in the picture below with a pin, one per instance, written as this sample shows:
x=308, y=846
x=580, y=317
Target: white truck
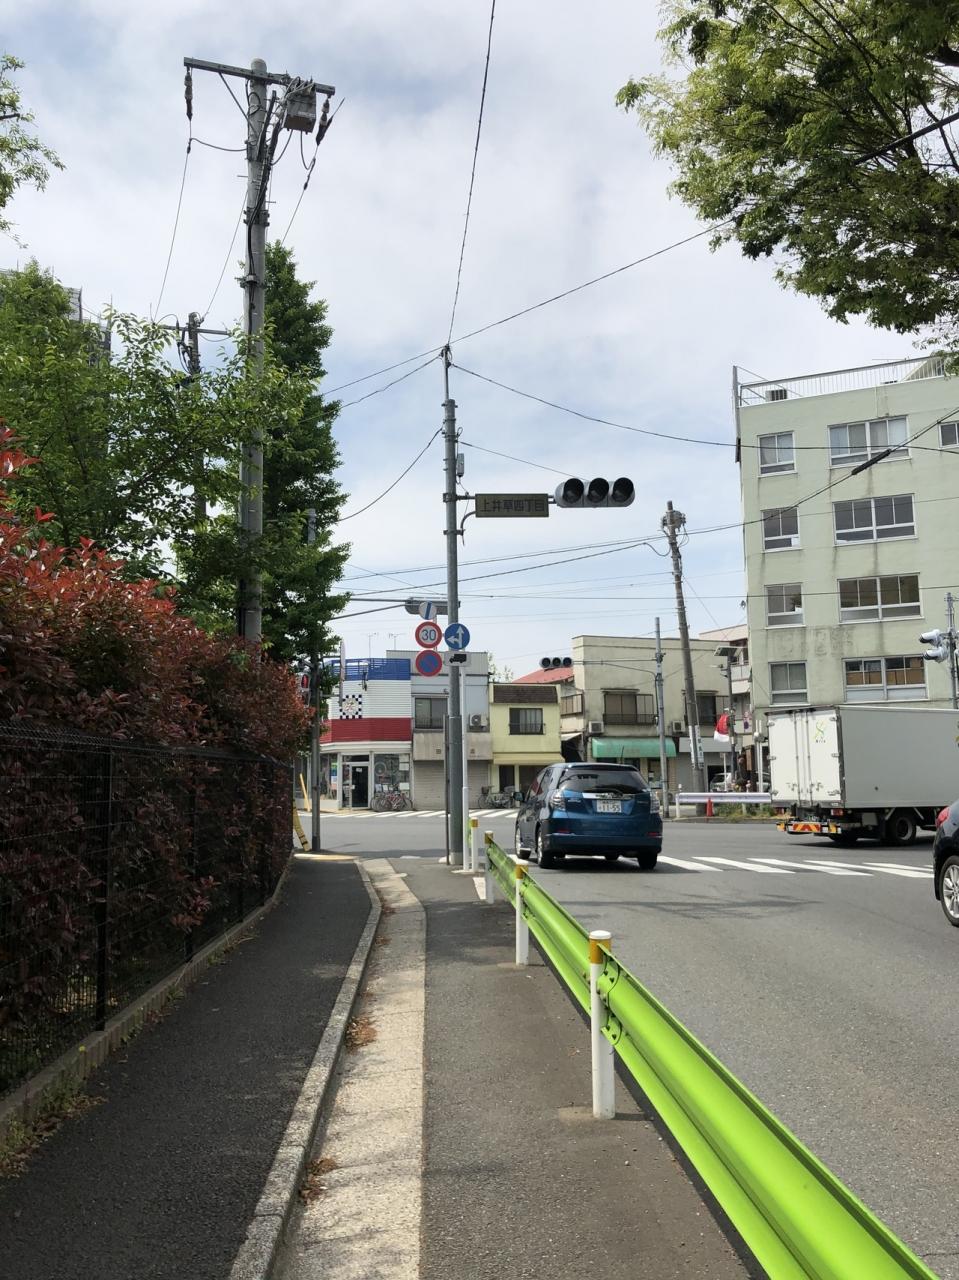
x=854, y=771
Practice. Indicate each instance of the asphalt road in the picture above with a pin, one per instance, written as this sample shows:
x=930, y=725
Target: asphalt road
x=826, y=989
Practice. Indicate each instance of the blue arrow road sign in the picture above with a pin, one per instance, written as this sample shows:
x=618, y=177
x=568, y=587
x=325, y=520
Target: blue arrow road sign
x=457, y=636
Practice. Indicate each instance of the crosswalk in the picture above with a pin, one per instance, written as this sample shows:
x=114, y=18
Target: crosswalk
x=413, y=813
x=790, y=867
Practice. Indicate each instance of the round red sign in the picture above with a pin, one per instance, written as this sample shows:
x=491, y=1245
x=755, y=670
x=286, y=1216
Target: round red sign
x=429, y=663
x=428, y=634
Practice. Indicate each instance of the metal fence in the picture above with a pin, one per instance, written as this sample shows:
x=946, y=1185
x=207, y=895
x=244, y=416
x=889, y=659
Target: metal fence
x=117, y=862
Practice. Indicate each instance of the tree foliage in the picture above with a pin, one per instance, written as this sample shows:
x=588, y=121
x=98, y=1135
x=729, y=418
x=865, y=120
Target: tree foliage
x=24, y=159
x=768, y=111
x=298, y=474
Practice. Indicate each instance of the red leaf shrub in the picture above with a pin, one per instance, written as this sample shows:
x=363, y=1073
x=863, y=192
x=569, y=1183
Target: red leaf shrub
x=178, y=827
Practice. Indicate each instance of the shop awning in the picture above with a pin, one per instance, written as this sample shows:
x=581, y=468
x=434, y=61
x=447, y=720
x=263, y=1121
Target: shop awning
x=630, y=748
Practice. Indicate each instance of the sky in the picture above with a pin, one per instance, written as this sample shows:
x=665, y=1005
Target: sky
x=567, y=189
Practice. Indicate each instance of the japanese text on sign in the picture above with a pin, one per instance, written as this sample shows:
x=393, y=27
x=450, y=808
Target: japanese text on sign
x=512, y=504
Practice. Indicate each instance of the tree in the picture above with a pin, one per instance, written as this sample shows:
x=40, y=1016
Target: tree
x=24, y=159
x=770, y=123
x=118, y=434
x=298, y=475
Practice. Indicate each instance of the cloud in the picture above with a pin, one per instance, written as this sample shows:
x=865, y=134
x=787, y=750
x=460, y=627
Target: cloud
x=566, y=189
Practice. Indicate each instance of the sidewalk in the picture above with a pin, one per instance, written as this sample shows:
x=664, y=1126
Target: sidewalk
x=461, y=1144
x=160, y=1180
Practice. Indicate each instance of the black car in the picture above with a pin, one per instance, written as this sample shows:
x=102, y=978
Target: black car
x=945, y=861
x=588, y=808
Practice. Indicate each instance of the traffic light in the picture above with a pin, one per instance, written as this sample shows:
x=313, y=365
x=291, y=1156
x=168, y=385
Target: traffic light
x=940, y=641
x=547, y=663
x=303, y=681
x=595, y=493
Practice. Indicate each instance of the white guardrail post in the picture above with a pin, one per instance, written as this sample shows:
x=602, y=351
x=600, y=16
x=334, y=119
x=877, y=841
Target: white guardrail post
x=489, y=886
x=522, y=928
x=604, y=1077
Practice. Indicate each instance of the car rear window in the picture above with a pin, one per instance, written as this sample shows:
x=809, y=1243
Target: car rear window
x=619, y=781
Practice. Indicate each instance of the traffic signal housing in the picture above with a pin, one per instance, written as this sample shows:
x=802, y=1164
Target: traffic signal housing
x=597, y=492
x=940, y=642
x=548, y=663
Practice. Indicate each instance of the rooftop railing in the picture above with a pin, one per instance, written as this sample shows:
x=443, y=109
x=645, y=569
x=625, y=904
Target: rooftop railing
x=860, y=378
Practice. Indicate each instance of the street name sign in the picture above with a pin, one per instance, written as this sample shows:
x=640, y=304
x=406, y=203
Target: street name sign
x=512, y=505
x=428, y=662
x=457, y=636
x=428, y=634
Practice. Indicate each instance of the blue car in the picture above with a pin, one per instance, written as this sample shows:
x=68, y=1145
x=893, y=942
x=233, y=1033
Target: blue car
x=605, y=809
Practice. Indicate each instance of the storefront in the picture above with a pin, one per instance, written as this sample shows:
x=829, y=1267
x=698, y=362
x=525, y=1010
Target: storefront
x=353, y=778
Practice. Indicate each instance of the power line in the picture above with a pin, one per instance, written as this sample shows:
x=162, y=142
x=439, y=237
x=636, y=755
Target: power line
x=176, y=220
x=512, y=457
x=215, y=146
x=520, y=555
x=469, y=198
x=353, y=514
x=226, y=260
x=321, y=132
x=648, y=431
x=386, y=385
x=556, y=297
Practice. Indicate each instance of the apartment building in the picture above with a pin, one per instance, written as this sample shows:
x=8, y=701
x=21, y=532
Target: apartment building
x=846, y=566
x=524, y=727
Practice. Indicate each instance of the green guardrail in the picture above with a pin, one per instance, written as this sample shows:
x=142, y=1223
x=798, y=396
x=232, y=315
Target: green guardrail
x=797, y=1218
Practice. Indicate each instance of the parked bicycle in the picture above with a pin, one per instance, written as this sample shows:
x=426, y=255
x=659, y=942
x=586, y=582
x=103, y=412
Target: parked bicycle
x=390, y=801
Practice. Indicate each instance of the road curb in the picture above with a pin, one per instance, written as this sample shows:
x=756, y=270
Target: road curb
x=260, y=1250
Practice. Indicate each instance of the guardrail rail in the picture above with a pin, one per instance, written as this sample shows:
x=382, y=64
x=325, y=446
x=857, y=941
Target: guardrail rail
x=797, y=1218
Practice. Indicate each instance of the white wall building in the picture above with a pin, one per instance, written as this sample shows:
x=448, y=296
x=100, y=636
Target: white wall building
x=845, y=570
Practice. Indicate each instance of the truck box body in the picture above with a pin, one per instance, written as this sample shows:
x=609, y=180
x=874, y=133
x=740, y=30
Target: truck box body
x=864, y=757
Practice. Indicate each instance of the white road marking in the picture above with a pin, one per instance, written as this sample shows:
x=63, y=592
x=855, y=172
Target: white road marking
x=808, y=866
x=681, y=862
x=749, y=866
x=903, y=866
x=907, y=873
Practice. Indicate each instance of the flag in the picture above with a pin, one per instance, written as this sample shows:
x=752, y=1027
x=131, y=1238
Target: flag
x=721, y=733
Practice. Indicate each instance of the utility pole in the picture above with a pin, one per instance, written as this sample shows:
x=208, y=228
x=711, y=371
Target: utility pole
x=731, y=723
x=672, y=521
x=316, y=789
x=265, y=118
x=454, y=755
x=661, y=722
x=191, y=348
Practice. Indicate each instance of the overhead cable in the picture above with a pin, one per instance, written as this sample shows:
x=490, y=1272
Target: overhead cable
x=352, y=515
x=469, y=198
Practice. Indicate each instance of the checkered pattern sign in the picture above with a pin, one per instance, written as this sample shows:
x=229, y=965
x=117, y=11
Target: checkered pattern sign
x=351, y=706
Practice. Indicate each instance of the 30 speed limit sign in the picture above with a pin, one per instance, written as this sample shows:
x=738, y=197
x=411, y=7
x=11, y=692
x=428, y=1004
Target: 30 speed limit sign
x=428, y=635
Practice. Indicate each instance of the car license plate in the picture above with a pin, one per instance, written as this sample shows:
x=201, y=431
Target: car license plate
x=609, y=806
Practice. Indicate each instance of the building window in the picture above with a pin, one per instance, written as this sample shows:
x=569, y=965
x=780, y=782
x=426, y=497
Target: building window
x=526, y=719
x=429, y=713
x=900, y=679
x=776, y=453
x=571, y=704
x=874, y=519
x=854, y=442
x=784, y=605
x=787, y=682
x=949, y=435
x=780, y=528
x=706, y=707
x=627, y=707
x=879, y=599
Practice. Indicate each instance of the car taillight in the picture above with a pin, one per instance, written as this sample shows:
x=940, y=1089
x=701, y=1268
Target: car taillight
x=557, y=800
x=941, y=816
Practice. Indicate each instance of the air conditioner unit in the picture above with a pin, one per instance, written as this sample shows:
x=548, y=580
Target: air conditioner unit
x=595, y=726
x=675, y=726
x=477, y=721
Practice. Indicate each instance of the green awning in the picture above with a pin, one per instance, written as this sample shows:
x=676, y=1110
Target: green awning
x=630, y=748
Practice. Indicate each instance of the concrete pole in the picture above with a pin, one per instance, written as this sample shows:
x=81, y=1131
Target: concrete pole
x=454, y=756
x=661, y=723
x=672, y=521
x=464, y=710
x=257, y=218
x=731, y=728
x=315, y=754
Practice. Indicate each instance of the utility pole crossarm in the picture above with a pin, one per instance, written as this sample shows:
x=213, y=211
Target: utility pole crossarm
x=271, y=77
